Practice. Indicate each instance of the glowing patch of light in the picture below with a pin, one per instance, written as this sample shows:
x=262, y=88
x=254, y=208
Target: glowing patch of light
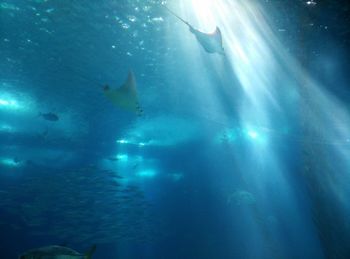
x=148, y=173
x=311, y=3
x=4, y=102
x=252, y=134
x=6, y=128
x=256, y=137
x=122, y=141
x=15, y=101
x=8, y=103
x=122, y=157
x=141, y=144
x=9, y=162
x=203, y=12
x=161, y=131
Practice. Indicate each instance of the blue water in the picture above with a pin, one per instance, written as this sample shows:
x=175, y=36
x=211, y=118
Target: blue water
x=242, y=155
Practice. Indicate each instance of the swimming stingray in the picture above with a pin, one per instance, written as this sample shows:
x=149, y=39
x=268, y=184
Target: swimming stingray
x=211, y=42
x=125, y=96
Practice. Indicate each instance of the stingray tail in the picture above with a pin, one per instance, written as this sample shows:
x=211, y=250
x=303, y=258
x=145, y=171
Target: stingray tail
x=178, y=17
x=88, y=254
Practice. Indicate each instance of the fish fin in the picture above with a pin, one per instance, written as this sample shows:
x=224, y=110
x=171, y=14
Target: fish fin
x=218, y=34
x=88, y=254
x=130, y=84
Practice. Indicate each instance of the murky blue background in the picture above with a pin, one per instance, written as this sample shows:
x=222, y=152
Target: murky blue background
x=238, y=156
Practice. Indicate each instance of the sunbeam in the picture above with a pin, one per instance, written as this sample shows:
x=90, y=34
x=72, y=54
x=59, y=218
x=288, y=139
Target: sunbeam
x=278, y=93
x=229, y=137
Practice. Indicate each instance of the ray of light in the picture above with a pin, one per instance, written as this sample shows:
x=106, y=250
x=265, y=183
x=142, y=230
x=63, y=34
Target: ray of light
x=274, y=85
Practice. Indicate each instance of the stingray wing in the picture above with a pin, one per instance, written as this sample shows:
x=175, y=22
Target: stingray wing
x=129, y=87
x=126, y=95
x=211, y=42
x=217, y=36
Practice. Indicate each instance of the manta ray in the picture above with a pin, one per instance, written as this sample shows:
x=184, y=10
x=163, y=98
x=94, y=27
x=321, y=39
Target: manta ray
x=125, y=96
x=211, y=42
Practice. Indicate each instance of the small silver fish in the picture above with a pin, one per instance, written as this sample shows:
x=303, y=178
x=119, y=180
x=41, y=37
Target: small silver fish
x=57, y=252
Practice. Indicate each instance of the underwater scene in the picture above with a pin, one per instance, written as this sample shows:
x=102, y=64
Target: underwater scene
x=179, y=129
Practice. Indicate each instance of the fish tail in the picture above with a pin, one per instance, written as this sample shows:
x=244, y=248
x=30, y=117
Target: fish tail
x=178, y=17
x=89, y=253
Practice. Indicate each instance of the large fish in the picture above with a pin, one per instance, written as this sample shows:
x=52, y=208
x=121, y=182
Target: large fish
x=211, y=42
x=56, y=252
x=125, y=96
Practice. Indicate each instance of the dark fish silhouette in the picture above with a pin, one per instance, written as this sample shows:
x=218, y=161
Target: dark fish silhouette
x=49, y=116
x=113, y=159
